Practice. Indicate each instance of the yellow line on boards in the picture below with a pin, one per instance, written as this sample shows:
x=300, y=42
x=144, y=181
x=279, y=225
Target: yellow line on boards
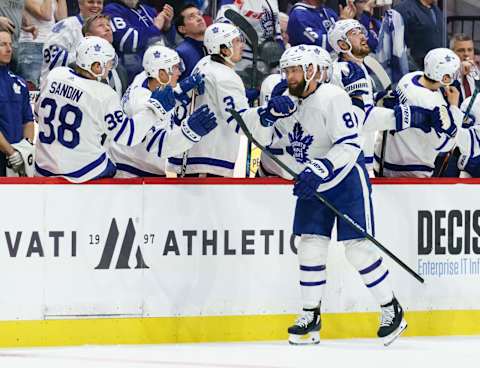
x=221, y=328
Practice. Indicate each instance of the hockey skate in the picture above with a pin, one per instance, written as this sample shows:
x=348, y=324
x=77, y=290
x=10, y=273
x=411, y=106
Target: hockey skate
x=392, y=323
x=306, y=330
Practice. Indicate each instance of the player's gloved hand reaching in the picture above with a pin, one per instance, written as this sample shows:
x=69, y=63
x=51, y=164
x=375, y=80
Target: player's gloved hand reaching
x=354, y=80
x=15, y=160
x=279, y=88
x=444, y=121
x=277, y=107
x=193, y=82
x=200, y=123
x=163, y=99
x=316, y=173
x=407, y=116
x=252, y=94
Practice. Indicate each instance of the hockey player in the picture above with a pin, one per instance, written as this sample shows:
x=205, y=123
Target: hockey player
x=173, y=132
x=59, y=49
x=216, y=154
x=322, y=142
x=412, y=152
x=75, y=109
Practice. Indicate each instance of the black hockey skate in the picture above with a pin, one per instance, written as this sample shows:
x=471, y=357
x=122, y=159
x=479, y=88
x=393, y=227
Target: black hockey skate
x=392, y=323
x=306, y=330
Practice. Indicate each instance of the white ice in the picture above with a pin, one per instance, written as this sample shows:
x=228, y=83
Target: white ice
x=438, y=352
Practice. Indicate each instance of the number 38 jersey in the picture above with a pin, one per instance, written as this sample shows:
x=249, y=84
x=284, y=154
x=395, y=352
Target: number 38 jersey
x=74, y=115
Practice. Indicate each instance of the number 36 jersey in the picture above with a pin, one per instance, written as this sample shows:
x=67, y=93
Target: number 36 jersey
x=74, y=116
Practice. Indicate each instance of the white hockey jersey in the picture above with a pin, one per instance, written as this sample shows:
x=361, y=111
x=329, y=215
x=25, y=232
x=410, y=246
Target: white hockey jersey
x=166, y=138
x=412, y=152
x=73, y=114
x=217, y=152
x=322, y=127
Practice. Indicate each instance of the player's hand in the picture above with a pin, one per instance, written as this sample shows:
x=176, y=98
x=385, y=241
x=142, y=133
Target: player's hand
x=388, y=99
x=407, y=116
x=349, y=11
x=277, y=107
x=165, y=97
x=354, y=79
x=453, y=95
x=308, y=181
x=15, y=160
x=194, y=81
x=200, y=123
x=279, y=88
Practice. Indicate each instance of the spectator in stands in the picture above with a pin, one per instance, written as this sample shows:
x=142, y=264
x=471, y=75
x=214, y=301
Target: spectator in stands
x=99, y=25
x=16, y=119
x=283, y=20
x=61, y=44
x=135, y=27
x=191, y=25
x=424, y=28
x=462, y=45
x=43, y=14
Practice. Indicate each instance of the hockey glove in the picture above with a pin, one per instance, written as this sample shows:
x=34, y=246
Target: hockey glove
x=388, y=99
x=194, y=81
x=354, y=80
x=407, y=116
x=251, y=94
x=279, y=88
x=163, y=99
x=15, y=160
x=277, y=107
x=200, y=123
x=445, y=122
x=316, y=173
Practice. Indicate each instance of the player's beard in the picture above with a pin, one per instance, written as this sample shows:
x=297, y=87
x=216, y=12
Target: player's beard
x=361, y=51
x=298, y=90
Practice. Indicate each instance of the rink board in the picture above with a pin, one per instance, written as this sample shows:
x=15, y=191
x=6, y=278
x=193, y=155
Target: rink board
x=150, y=261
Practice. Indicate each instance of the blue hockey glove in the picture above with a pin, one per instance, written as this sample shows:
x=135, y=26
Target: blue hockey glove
x=354, y=80
x=316, y=173
x=163, y=99
x=194, y=81
x=407, y=116
x=251, y=94
x=277, y=107
x=444, y=121
x=200, y=123
x=279, y=88
x=388, y=99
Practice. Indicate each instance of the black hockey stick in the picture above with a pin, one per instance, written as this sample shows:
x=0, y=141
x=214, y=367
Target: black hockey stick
x=322, y=199
x=252, y=39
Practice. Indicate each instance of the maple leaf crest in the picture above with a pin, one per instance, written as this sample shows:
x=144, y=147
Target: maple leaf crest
x=299, y=143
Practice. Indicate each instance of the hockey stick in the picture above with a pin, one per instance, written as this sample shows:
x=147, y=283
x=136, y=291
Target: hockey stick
x=185, y=154
x=322, y=199
x=384, y=79
x=252, y=39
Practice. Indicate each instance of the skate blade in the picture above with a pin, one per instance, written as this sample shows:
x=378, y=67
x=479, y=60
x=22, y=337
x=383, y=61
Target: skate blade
x=387, y=340
x=310, y=338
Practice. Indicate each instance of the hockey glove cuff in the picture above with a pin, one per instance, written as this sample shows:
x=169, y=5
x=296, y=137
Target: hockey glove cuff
x=194, y=81
x=200, y=123
x=277, y=108
x=316, y=173
x=162, y=100
x=413, y=117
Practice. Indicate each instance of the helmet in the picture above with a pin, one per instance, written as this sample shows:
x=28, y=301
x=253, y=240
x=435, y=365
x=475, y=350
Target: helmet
x=161, y=58
x=300, y=55
x=338, y=32
x=92, y=50
x=219, y=34
x=441, y=62
x=323, y=60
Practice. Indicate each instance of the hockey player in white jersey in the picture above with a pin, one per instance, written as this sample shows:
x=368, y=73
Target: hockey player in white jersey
x=59, y=49
x=412, y=152
x=75, y=109
x=216, y=153
x=322, y=142
x=174, y=132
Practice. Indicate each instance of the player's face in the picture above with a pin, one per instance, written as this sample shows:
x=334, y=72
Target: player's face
x=464, y=50
x=5, y=48
x=193, y=21
x=90, y=7
x=358, y=40
x=237, y=49
x=295, y=79
x=101, y=28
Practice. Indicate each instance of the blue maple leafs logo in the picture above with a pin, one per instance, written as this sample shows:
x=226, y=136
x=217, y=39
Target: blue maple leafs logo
x=299, y=144
x=215, y=29
x=97, y=48
x=156, y=54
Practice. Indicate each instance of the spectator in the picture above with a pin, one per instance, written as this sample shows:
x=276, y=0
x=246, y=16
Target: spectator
x=424, y=28
x=99, y=25
x=43, y=13
x=462, y=45
x=16, y=119
x=135, y=27
x=310, y=21
x=60, y=47
x=191, y=25
x=283, y=20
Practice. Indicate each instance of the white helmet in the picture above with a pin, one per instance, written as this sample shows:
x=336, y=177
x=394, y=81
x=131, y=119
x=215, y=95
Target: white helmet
x=161, y=58
x=300, y=55
x=338, y=32
x=219, y=34
x=323, y=60
x=441, y=62
x=92, y=50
